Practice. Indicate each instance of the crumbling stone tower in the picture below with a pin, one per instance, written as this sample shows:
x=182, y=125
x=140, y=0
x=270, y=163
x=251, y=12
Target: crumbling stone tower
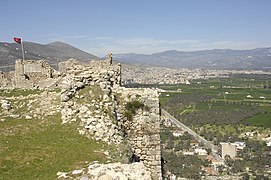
x=19, y=76
x=142, y=133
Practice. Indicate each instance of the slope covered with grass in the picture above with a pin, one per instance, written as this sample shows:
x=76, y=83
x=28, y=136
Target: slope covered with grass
x=39, y=148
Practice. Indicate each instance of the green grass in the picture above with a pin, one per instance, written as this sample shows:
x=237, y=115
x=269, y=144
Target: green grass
x=131, y=108
x=90, y=93
x=165, y=97
x=217, y=106
x=19, y=92
x=35, y=149
x=265, y=109
x=263, y=120
x=234, y=100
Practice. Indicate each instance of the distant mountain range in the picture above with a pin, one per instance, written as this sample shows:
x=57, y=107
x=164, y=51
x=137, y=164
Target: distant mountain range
x=259, y=58
x=56, y=52
x=53, y=53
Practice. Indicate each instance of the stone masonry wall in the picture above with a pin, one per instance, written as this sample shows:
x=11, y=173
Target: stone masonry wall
x=29, y=74
x=87, y=97
x=32, y=73
x=20, y=80
x=6, y=80
x=92, y=96
x=143, y=130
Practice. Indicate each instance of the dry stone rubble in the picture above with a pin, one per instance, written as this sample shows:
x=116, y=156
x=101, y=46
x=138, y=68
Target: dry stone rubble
x=103, y=117
x=113, y=171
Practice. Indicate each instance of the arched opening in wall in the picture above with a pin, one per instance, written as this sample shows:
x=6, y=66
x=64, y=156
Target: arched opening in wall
x=134, y=158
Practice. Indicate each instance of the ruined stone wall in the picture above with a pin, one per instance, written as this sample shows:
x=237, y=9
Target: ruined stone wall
x=96, y=107
x=30, y=73
x=143, y=131
x=100, y=110
x=92, y=95
x=20, y=80
x=6, y=80
x=35, y=70
x=66, y=65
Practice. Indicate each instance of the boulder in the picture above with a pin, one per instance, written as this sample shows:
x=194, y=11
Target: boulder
x=62, y=175
x=105, y=177
x=28, y=117
x=14, y=115
x=6, y=105
x=84, y=177
x=79, y=171
x=64, y=97
x=79, y=85
x=83, y=109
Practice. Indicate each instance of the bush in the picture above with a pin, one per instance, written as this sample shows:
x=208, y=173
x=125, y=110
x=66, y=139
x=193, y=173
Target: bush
x=131, y=108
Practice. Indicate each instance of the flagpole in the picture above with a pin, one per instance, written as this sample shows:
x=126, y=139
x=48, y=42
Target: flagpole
x=22, y=48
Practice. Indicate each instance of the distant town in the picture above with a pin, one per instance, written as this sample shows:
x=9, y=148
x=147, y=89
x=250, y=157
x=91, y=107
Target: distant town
x=133, y=74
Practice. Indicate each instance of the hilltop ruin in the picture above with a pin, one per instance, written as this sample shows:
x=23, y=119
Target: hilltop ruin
x=92, y=95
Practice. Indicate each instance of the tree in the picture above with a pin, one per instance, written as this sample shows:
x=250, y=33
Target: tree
x=238, y=166
x=228, y=161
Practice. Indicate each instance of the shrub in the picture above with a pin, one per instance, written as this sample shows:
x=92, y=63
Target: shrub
x=131, y=108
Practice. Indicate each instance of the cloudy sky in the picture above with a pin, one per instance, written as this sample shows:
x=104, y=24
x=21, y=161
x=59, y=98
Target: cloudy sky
x=139, y=26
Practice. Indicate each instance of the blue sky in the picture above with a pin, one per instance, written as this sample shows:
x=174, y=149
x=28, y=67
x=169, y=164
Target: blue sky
x=139, y=26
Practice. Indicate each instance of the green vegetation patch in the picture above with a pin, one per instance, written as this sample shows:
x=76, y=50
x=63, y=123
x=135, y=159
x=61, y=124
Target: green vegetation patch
x=174, y=161
x=165, y=97
x=19, y=92
x=183, y=166
x=90, y=93
x=35, y=149
x=131, y=108
x=263, y=120
x=222, y=103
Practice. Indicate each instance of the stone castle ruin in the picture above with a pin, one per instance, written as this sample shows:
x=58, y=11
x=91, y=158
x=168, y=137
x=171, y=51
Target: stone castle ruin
x=92, y=95
x=29, y=73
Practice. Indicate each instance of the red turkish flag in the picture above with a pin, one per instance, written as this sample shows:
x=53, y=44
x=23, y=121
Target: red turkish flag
x=17, y=40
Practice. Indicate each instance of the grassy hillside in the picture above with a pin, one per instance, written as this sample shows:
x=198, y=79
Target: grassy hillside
x=38, y=148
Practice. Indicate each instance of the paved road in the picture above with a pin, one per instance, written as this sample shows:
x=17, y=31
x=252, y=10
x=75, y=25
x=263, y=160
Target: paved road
x=190, y=131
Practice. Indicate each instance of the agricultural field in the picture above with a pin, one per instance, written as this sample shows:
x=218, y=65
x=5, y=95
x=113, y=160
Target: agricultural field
x=221, y=109
x=220, y=101
x=225, y=110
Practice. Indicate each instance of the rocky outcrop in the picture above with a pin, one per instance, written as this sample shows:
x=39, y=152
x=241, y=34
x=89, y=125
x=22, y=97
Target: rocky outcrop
x=96, y=171
x=5, y=105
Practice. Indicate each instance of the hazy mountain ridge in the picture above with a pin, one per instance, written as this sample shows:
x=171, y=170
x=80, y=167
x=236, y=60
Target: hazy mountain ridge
x=259, y=58
x=54, y=53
